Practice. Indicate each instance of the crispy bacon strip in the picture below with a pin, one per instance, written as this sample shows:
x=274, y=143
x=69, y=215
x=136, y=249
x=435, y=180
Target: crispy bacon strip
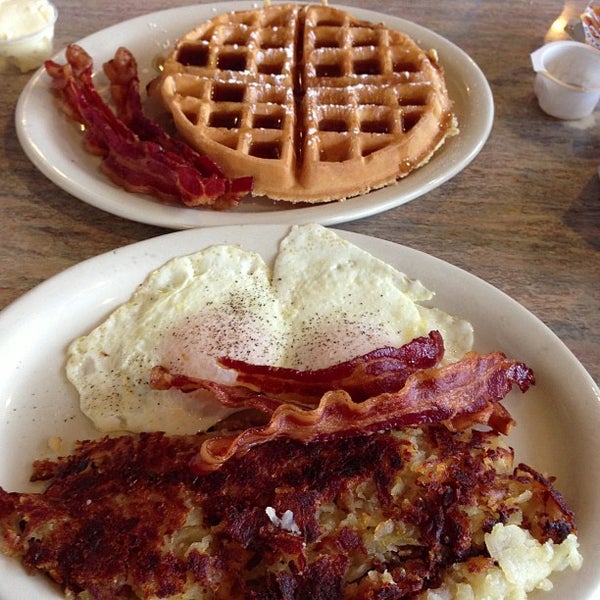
x=459, y=395
x=137, y=165
x=264, y=387
x=73, y=84
x=124, y=88
x=232, y=396
x=382, y=370
x=123, y=75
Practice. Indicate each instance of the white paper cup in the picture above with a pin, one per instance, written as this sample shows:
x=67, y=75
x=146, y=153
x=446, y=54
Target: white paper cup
x=567, y=81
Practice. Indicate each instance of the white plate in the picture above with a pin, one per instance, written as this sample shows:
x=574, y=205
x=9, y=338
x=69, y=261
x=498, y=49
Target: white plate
x=557, y=421
x=54, y=145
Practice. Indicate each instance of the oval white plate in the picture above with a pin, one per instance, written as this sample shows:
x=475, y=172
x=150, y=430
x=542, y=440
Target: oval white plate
x=557, y=421
x=54, y=145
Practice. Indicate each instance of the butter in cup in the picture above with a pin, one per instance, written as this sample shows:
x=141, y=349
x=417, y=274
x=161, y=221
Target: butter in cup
x=26, y=33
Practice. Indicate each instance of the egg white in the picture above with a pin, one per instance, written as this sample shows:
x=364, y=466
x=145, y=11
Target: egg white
x=323, y=301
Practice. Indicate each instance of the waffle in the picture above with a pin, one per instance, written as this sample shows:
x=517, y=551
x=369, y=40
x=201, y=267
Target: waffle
x=313, y=103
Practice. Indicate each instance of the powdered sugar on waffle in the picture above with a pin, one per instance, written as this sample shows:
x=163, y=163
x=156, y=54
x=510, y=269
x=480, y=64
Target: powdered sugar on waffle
x=313, y=103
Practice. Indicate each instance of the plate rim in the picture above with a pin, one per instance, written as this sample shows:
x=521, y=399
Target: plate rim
x=91, y=187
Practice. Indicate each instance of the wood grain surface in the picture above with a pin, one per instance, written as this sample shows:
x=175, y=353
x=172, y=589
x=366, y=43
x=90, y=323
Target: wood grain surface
x=524, y=215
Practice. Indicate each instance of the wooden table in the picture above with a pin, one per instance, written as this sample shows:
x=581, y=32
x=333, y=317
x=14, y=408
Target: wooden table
x=524, y=215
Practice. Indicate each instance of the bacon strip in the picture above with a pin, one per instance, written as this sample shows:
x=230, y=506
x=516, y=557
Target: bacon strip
x=459, y=395
x=73, y=84
x=264, y=387
x=232, y=396
x=123, y=75
x=382, y=370
x=137, y=165
x=124, y=89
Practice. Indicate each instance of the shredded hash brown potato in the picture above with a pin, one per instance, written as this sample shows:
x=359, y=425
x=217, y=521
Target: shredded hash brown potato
x=420, y=513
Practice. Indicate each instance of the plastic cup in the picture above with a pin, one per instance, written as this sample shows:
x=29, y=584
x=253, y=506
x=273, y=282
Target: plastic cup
x=29, y=51
x=567, y=81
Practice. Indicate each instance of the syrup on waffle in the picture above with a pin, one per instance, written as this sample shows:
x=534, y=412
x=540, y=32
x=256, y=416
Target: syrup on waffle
x=313, y=103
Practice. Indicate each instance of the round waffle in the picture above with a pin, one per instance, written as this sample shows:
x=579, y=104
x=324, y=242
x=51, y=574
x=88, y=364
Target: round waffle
x=313, y=103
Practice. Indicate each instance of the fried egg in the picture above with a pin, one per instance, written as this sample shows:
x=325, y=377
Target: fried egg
x=322, y=301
